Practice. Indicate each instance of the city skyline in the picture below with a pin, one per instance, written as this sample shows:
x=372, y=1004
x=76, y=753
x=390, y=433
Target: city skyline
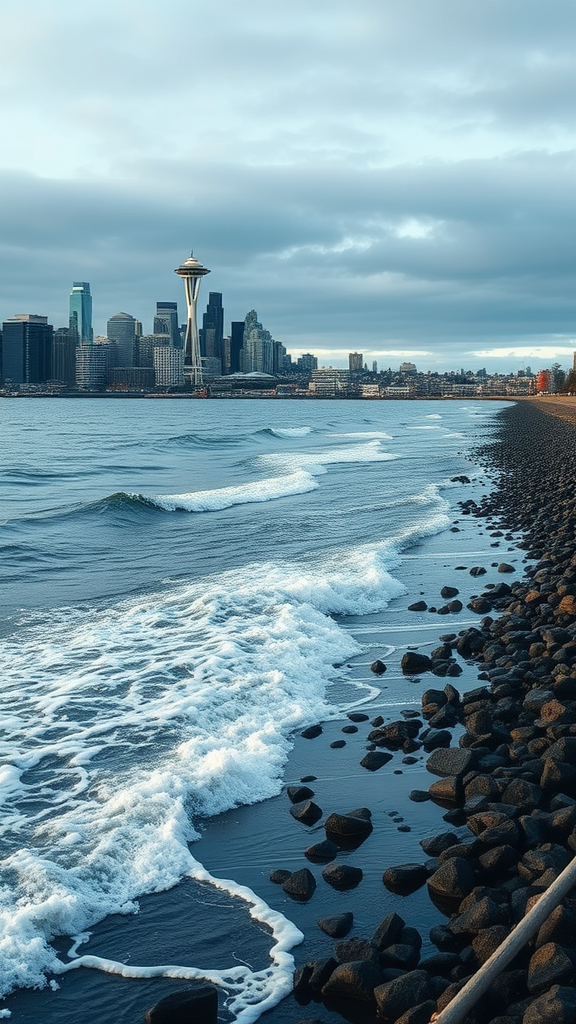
x=395, y=180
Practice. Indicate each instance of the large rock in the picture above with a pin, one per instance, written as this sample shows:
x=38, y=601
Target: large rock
x=396, y=997
x=300, y=885
x=413, y=664
x=388, y=931
x=342, y=876
x=375, y=759
x=356, y=979
x=452, y=881
x=552, y=964
x=446, y=761
x=557, y=1006
x=308, y=812
x=347, y=826
x=337, y=926
x=403, y=879
x=199, y=1004
x=322, y=852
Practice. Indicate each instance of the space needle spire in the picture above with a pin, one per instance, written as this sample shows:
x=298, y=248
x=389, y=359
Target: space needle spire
x=192, y=272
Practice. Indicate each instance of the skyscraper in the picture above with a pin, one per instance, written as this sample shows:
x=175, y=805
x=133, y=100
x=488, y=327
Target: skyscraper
x=355, y=361
x=27, y=349
x=212, y=332
x=258, y=346
x=192, y=272
x=121, y=328
x=166, y=322
x=64, y=348
x=236, y=345
x=81, y=311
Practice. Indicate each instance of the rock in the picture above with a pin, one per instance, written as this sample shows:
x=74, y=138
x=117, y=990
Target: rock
x=300, y=984
x=557, y=1006
x=356, y=949
x=567, y=605
x=413, y=664
x=403, y=879
x=505, y=567
x=420, y=1014
x=342, y=876
x=347, y=826
x=400, y=955
x=375, y=759
x=434, y=738
x=356, y=979
x=560, y=926
x=199, y=1004
x=297, y=794
x=388, y=931
x=337, y=744
x=322, y=971
x=552, y=964
x=417, y=606
x=337, y=926
x=447, y=592
x=477, y=570
x=300, y=885
x=308, y=812
x=311, y=732
x=279, y=876
x=398, y=996
x=452, y=881
x=455, y=761
x=483, y=914
x=378, y=667
x=322, y=852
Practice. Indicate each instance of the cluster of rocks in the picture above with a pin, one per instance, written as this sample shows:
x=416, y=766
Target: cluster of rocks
x=509, y=784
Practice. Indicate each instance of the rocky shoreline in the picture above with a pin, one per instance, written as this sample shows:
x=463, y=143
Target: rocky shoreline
x=508, y=781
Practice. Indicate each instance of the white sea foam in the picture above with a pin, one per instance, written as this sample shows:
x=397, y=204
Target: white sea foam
x=290, y=431
x=298, y=482
x=433, y=416
x=316, y=462
x=367, y=434
x=129, y=724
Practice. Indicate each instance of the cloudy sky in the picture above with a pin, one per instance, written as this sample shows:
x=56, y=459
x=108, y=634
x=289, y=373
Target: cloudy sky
x=389, y=176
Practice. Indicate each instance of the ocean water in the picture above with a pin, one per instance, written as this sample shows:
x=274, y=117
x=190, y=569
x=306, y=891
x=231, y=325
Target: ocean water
x=177, y=581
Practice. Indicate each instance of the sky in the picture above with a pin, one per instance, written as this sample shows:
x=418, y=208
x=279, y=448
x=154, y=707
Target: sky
x=394, y=177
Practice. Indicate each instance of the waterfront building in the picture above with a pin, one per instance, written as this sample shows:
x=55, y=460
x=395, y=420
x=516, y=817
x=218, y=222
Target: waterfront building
x=64, y=345
x=92, y=366
x=306, y=363
x=131, y=378
x=329, y=382
x=80, y=318
x=374, y=366
x=258, y=349
x=212, y=332
x=27, y=349
x=355, y=361
x=148, y=342
x=122, y=328
x=166, y=322
x=408, y=368
x=168, y=366
x=192, y=272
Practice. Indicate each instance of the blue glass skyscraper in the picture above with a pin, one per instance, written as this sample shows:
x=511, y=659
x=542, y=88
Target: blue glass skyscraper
x=81, y=311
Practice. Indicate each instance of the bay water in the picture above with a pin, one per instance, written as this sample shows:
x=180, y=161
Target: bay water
x=181, y=581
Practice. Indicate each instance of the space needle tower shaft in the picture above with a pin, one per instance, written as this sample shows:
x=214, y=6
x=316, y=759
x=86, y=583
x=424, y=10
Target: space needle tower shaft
x=192, y=272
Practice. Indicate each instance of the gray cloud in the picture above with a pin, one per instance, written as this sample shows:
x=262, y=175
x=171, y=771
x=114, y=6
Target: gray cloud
x=383, y=177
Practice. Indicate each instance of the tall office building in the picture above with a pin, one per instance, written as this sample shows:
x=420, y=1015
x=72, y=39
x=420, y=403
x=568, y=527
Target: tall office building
x=355, y=361
x=168, y=366
x=258, y=346
x=212, y=331
x=81, y=311
x=27, y=349
x=166, y=322
x=122, y=328
x=64, y=347
x=236, y=345
x=92, y=366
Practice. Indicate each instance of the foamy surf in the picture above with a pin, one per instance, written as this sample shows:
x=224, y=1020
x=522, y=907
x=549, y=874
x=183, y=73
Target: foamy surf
x=298, y=482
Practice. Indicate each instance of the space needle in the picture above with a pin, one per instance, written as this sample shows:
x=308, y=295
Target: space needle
x=192, y=272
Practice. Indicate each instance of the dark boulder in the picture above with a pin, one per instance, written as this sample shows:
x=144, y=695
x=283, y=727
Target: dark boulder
x=311, y=732
x=308, y=812
x=300, y=885
x=279, y=876
x=347, y=826
x=551, y=964
x=452, y=881
x=356, y=949
x=199, y=1004
x=557, y=1006
x=378, y=667
x=447, y=761
x=417, y=606
x=342, y=876
x=321, y=852
x=337, y=926
x=403, y=879
x=375, y=759
x=398, y=996
x=355, y=979
x=297, y=794
x=413, y=664
x=388, y=931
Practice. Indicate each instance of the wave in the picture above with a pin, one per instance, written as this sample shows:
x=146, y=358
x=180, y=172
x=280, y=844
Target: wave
x=205, y=440
x=287, y=432
x=316, y=462
x=298, y=482
x=380, y=434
